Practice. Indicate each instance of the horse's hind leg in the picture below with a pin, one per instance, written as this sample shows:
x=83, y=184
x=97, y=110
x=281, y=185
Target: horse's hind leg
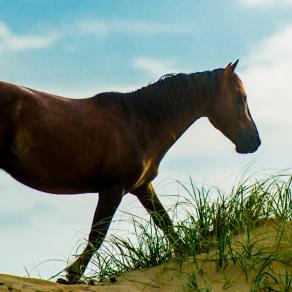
x=150, y=201
x=108, y=203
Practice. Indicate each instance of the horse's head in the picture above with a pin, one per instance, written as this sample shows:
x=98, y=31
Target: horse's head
x=229, y=113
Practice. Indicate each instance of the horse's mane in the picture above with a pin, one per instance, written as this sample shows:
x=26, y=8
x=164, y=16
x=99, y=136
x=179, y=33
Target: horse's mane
x=167, y=95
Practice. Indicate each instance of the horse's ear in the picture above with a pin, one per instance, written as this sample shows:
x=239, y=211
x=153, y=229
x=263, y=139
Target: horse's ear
x=230, y=68
x=235, y=64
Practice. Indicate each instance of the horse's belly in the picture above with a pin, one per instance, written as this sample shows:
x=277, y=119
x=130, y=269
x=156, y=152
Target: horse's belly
x=52, y=185
x=51, y=173
x=68, y=174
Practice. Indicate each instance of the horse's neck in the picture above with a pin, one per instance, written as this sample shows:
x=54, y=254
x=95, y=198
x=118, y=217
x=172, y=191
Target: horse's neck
x=171, y=129
x=168, y=111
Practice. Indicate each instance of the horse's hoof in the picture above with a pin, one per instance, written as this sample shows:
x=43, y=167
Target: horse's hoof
x=69, y=281
x=62, y=281
x=73, y=279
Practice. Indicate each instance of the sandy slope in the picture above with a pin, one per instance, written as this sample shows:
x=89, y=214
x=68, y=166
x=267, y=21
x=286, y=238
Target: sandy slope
x=169, y=277
x=13, y=283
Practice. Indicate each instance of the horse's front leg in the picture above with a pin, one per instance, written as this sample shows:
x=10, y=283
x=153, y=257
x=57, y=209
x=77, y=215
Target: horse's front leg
x=108, y=203
x=150, y=201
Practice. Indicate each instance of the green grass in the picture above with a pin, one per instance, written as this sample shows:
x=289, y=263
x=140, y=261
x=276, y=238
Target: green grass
x=221, y=228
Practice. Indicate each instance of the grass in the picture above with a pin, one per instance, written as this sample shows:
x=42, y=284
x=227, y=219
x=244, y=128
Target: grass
x=219, y=230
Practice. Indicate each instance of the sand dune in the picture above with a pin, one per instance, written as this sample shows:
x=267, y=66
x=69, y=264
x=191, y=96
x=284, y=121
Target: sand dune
x=173, y=276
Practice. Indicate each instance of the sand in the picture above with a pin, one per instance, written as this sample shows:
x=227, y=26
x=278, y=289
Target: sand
x=172, y=276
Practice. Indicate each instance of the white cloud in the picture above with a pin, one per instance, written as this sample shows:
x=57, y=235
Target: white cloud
x=132, y=27
x=10, y=41
x=155, y=67
x=266, y=3
x=268, y=76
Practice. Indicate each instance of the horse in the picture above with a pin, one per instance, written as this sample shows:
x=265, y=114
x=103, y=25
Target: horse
x=112, y=143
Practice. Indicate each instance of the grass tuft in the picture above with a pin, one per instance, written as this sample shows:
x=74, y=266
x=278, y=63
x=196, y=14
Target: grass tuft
x=220, y=227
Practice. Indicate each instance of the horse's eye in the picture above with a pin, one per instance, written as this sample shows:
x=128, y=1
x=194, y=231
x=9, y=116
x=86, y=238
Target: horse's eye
x=242, y=99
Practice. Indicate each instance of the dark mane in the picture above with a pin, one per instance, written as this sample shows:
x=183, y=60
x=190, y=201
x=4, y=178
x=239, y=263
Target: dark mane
x=167, y=95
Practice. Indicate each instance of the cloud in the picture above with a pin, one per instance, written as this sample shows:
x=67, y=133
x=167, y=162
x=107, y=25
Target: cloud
x=268, y=76
x=10, y=41
x=154, y=67
x=130, y=27
x=266, y=3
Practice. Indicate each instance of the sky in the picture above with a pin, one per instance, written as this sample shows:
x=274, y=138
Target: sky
x=80, y=48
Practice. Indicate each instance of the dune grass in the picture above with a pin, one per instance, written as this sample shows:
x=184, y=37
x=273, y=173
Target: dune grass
x=214, y=227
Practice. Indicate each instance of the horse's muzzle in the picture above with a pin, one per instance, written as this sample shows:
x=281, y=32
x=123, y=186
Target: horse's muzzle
x=248, y=144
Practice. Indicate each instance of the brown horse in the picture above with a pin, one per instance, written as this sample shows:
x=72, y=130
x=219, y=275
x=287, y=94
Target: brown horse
x=112, y=143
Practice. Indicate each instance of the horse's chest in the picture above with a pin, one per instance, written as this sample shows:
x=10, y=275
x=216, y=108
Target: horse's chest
x=147, y=173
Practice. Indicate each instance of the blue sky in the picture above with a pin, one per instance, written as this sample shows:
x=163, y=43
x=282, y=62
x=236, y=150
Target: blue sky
x=79, y=48
x=92, y=44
